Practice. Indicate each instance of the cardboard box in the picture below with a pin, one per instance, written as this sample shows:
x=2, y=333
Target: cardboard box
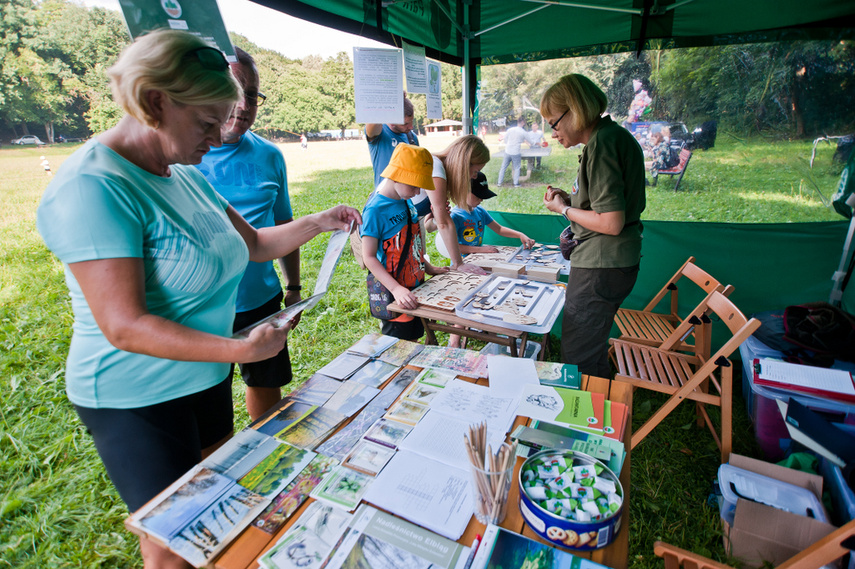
x=761, y=533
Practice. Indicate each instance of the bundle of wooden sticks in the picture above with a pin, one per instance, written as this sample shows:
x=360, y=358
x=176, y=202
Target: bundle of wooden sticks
x=491, y=474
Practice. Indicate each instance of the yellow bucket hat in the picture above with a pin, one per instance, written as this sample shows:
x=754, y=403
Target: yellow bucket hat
x=411, y=165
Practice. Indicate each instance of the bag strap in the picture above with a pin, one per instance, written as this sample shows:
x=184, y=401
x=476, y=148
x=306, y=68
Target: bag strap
x=409, y=239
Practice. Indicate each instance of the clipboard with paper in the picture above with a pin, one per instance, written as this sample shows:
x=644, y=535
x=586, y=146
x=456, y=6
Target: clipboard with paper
x=823, y=382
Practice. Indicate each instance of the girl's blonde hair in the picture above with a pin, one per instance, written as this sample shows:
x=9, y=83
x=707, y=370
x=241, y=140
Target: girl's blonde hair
x=585, y=101
x=170, y=61
x=457, y=157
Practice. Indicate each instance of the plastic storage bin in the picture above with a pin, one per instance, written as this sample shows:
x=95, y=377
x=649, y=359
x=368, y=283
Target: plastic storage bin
x=738, y=483
x=532, y=349
x=760, y=402
x=842, y=497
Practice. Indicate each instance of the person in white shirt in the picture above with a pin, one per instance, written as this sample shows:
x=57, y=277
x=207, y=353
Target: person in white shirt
x=514, y=138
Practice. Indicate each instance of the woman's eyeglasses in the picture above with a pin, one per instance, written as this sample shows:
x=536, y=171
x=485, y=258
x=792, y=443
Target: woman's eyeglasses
x=254, y=99
x=554, y=125
x=211, y=58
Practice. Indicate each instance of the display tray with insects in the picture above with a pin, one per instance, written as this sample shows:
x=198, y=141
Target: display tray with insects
x=446, y=290
x=519, y=304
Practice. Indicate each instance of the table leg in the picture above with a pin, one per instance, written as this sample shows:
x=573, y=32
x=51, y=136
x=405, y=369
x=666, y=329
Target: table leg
x=430, y=337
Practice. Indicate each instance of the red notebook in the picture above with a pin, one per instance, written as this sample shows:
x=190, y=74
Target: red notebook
x=823, y=382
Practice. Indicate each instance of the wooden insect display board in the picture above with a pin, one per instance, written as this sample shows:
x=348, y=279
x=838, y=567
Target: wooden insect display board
x=540, y=256
x=446, y=290
x=517, y=304
x=488, y=260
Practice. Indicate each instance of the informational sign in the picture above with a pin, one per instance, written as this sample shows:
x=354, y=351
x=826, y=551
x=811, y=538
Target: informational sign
x=434, y=94
x=415, y=68
x=378, y=81
x=199, y=17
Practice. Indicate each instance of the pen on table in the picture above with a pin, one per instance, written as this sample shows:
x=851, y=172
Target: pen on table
x=475, y=543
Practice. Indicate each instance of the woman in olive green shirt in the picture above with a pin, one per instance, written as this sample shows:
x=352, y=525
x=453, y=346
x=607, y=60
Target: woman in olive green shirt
x=604, y=207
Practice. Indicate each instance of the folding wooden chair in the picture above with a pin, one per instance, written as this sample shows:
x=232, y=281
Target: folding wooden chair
x=646, y=326
x=828, y=549
x=687, y=376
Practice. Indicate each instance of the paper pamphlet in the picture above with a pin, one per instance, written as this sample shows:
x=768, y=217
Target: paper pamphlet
x=374, y=534
x=378, y=84
x=476, y=403
x=415, y=68
x=336, y=245
x=578, y=409
x=424, y=491
x=508, y=375
x=313, y=536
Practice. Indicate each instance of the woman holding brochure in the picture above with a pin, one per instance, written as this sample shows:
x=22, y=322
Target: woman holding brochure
x=153, y=256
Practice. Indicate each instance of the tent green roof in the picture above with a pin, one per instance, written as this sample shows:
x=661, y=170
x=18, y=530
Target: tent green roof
x=505, y=31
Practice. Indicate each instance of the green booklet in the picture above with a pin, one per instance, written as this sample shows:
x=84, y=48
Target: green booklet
x=558, y=375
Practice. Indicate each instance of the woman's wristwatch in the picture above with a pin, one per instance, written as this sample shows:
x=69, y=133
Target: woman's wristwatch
x=564, y=213
x=293, y=288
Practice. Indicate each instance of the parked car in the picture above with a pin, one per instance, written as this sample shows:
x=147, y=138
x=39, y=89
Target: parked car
x=28, y=139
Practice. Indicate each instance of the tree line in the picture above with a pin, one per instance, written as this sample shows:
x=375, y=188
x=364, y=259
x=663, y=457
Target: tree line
x=54, y=55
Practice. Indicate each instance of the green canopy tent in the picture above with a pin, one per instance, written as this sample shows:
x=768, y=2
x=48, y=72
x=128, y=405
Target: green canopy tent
x=473, y=32
x=771, y=265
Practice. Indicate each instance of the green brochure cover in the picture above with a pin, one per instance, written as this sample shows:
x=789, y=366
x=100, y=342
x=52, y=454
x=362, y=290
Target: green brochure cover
x=199, y=17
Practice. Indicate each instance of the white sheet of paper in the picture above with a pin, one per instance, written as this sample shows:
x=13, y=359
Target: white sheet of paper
x=338, y=240
x=476, y=403
x=440, y=437
x=434, y=91
x=424, y=491
x=378, y=81
x=509, y=375
x=415, y=68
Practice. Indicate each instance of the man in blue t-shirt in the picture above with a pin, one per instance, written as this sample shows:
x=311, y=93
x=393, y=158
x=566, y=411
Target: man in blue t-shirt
x=383, y=138
x=249, y=172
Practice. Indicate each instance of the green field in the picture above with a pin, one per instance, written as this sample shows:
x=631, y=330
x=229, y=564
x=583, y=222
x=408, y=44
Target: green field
x=57, y=507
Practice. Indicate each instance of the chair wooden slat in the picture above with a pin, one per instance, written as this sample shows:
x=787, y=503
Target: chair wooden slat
x=684, y=376
x=656, y=328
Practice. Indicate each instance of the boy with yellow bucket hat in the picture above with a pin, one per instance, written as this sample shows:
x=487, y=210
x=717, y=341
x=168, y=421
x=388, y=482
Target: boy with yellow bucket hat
x=391, y=242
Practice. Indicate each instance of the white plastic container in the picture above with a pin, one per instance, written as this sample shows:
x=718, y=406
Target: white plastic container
x=532, y=350
x=738, y=483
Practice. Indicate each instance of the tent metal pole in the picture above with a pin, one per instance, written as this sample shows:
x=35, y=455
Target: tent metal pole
x=467, y=68
x=839, y=275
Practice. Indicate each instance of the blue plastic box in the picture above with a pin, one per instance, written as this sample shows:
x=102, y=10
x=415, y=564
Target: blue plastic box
x=842, y=497
x=760, y=402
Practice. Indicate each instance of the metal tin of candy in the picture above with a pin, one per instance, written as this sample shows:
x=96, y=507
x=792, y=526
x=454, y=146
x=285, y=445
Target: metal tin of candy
x=549, y=510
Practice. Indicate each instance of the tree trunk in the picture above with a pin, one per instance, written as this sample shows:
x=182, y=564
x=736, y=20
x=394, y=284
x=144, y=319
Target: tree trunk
x=49, y=132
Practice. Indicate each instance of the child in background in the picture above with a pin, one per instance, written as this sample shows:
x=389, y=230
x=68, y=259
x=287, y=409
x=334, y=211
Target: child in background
x=391, y=241
x=470, y=228
x=470, y=224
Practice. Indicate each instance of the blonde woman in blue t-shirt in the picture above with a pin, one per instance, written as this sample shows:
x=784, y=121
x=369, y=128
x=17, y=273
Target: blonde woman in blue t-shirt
x=153, y=256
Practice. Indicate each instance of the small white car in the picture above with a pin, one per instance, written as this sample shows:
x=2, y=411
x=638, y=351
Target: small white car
x=28, y=139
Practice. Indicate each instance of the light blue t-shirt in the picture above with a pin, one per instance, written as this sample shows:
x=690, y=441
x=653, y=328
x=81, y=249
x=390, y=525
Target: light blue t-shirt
x=470, y=225
x=100, y=206
x=389, y=221
x=251, y=175
x=382, y=147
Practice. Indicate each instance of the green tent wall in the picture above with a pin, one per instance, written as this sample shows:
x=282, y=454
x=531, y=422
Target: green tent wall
x=770, y=265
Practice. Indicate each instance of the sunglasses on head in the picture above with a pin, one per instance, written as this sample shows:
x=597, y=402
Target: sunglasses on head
x=210, y=58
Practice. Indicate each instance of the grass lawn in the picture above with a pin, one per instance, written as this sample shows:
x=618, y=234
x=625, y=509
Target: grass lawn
x=57, y=507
